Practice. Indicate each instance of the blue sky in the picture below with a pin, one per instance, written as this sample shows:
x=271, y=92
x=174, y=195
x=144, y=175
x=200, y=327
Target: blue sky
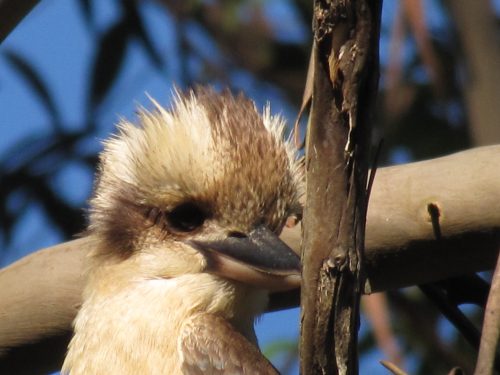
x=55, y=37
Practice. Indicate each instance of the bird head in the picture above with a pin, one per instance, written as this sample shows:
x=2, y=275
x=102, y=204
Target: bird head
x=205, y=187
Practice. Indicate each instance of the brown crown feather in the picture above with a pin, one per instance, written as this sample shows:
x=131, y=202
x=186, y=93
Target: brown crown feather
x=213, y=149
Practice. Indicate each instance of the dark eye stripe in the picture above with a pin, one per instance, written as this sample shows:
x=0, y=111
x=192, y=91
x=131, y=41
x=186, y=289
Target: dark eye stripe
x=154, y=216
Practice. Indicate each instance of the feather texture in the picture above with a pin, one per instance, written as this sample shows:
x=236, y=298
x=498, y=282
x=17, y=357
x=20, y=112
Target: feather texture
x=210, y=168
x=208, y=344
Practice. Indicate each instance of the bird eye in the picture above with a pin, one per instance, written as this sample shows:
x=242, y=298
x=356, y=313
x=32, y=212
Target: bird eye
x=186, y=218
x=293, y=220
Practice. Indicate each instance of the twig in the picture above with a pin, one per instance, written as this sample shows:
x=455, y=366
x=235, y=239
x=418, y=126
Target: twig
x=392, y=368
x=457, y=318
x=376, y=310
x=491, y=328
x=373, y=170
x=452, y=313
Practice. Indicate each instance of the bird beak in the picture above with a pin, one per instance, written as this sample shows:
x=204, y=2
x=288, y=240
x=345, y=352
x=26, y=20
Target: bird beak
x=260, y=259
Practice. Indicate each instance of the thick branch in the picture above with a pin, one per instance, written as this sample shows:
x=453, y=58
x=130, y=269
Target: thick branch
x=40, y=297
x=400, y=236
x=345, y=77
x=40, y=293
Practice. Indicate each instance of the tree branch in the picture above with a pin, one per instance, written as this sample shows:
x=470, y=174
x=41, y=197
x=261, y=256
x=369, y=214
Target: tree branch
x=11, y=13
x=477, y=28
x=345, y=77
x=40, y=293
x=491, y=328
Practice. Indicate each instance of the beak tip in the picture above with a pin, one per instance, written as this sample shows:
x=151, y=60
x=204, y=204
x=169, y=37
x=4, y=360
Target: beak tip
x=261, y=250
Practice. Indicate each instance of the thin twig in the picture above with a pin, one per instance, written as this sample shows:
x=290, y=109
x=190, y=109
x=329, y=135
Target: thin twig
x=373, y=170
x=452, y=313
x=491, y=328
x=306, y=101
x=393, y=368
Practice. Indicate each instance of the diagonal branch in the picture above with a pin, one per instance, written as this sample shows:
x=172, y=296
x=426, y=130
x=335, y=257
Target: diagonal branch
x=491, y=328
x=11, y=13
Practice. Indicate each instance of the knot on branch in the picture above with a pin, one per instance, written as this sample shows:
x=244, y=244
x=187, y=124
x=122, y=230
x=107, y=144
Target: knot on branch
x=434, y=217
x=328, y=18
x=336, y=262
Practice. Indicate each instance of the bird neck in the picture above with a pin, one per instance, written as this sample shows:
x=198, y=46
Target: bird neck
x=133, y=326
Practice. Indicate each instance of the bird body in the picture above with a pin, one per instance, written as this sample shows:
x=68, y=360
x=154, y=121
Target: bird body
x=185, y=217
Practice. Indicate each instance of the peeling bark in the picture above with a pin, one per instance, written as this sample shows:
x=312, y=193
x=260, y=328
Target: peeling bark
x=344, y=85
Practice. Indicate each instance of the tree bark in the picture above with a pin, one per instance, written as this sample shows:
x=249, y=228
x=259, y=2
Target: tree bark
x=345, y=78
x=40, y=293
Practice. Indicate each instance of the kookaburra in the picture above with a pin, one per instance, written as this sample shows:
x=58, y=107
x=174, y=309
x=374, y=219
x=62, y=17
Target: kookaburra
x=185, y=216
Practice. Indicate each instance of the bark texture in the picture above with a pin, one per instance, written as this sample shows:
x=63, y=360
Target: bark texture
x=344, y=83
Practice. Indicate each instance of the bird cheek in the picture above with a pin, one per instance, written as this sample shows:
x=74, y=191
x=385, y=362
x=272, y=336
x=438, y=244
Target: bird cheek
x=172, y=261
x=186, y=262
